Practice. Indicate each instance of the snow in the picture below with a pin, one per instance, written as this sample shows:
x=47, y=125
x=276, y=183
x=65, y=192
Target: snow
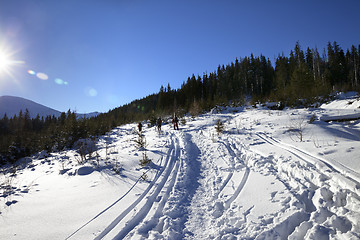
x=270, y=175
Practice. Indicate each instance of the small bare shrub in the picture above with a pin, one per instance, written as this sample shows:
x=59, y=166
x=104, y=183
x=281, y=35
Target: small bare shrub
x=85, y=147
x=238, y=125
x=117, y=166
x=145, y=161
x=297, y=127
x=97, y=155
x=195, y=108
x=7, y=186
x=144, y=177
x=183, y=121
x=312, y=118
x=79, y=159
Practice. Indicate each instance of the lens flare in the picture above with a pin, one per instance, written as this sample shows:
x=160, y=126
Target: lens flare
x=42, y=76
x=91, y=92
x=141, y=108
x=31, y=72
x=59, y=81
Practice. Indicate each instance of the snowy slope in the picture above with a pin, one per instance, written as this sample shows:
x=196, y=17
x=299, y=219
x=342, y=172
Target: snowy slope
x=256, y=180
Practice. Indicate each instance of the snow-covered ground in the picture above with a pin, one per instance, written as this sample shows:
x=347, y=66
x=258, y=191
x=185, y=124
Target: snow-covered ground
x=270, y=175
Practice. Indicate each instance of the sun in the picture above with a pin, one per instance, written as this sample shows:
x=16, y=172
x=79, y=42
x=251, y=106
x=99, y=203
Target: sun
x=6, y=61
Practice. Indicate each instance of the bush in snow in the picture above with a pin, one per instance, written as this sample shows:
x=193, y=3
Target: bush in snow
x=219, y=127
x=183, y=121
x=84, y=147
x=117, y=166
x=195, y=108
x=297, y=127
x=140, y=141
x=144, y=177
x=145, y=161
x=312, y=119
x=7, y=183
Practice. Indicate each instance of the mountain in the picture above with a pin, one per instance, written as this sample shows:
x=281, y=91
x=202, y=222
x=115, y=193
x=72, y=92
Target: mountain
x=87, y=115
x=12, y=105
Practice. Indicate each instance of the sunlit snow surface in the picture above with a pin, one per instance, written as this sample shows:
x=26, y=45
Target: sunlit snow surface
x=256, y=180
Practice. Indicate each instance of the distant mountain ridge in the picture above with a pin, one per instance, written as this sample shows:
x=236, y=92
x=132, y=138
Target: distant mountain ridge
x=12, y=105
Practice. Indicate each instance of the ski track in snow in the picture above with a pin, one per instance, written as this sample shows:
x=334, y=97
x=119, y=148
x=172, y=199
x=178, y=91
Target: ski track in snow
x=208, y=207
x=231, y=149
x=178, y=204
x=334, y=166
x=323, y=187
x=169, y=164
x=176, y=183
x=124, y=213
x=167, y=203
x=226, y=187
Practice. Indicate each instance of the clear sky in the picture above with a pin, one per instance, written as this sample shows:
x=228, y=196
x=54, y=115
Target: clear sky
x=95, y=55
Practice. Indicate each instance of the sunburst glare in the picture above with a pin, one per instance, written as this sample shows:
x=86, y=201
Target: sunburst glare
x=6, y=61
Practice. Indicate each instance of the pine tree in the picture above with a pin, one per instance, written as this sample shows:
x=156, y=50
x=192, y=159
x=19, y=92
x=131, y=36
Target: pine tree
x=282, y=77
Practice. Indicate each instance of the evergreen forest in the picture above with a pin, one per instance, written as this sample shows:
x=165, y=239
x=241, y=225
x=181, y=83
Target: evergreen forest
x=300, y=79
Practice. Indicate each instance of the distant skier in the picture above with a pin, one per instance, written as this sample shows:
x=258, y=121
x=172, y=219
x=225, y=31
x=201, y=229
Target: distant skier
x=159, y=122
x=175, y=122
x=140, y=126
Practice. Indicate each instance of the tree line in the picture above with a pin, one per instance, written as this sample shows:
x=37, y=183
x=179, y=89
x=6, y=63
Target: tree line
x=22, y=136
x=301, y=76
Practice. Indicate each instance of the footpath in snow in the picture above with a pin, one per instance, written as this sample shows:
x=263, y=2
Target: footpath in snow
x=270, y=175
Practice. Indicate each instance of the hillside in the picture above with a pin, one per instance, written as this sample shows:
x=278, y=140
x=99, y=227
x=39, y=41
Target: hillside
x=270, y=175
x=302, y=79
x=12, y=105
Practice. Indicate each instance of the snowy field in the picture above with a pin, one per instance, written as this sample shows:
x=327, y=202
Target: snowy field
x=270, y=175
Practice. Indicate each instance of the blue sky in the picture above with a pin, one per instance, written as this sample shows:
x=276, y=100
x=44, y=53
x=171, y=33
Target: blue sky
x=97, y=55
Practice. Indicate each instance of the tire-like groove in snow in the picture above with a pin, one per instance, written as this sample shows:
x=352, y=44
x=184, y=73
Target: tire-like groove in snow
x=239, y=188
x=154, y=221
x=125, y=194
x=169, y=164
x=226, y=181
x=244, y=179
x=309, y=158
x=130, y=225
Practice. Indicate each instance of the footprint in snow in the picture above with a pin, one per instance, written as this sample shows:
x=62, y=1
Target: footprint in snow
x=218, y=209
x=8, y=203
x=273, y=194
x=350, y=149
x=86, y=170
